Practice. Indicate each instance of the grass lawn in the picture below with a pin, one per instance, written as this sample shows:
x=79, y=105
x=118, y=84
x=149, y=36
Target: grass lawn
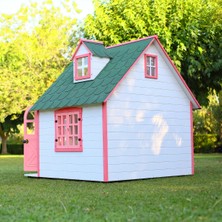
x=188, y=198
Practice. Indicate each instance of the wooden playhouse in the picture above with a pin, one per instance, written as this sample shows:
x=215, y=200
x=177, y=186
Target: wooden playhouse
x=116, y=113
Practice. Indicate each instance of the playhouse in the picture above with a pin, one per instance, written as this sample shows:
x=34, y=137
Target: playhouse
x=116, y=113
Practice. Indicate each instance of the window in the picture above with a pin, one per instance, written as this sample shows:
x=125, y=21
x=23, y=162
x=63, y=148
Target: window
x=82, y=67
x=68, y=130
x=150, y=63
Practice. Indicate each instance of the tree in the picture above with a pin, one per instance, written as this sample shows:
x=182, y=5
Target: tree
x=8, y=127
x=216, y=111
x=190, y=31
x=33, y=51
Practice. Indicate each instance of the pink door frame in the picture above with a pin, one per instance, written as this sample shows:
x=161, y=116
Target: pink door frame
x=31, y=143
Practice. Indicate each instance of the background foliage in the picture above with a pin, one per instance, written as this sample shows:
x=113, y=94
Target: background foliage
x=208, y=125
x=189, y=30
x=33, y=52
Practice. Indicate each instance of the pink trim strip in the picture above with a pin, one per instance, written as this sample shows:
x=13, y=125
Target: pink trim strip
x=178, y=73
x=37, y=135
x=76, y=50
x=81, y=41
x=191, y=138
x=129, y=42
x=105, y=142
x=117, y=85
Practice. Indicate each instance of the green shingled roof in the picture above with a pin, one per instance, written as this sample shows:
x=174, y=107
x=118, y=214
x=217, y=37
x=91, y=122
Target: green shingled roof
x=98, y=49
x=65, y=93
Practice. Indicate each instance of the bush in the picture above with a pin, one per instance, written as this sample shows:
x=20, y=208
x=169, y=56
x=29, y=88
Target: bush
x=14, y=148
x=205, y=143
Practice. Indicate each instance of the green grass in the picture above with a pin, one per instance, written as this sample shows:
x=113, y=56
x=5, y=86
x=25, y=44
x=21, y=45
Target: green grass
x=188, y=198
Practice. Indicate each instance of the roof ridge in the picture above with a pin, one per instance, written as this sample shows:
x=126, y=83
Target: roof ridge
x=90, y=41
x=97, y=49
x=133, y=41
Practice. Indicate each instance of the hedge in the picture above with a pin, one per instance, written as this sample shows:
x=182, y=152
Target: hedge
x=14, y=148
x=205, y=143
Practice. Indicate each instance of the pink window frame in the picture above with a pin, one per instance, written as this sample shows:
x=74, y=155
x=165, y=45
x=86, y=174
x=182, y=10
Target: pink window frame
x=88, y=76
x=156, y=66
x=66, y=112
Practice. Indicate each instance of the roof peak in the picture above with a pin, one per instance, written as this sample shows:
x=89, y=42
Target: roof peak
x=90, y=40
x=132, y=41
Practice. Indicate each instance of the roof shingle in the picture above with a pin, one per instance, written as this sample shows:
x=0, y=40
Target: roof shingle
x=97, y=49
x=65, y=93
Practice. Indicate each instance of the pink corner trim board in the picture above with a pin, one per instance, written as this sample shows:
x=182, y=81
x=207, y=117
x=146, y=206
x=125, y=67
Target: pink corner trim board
x=191, y=138
x=105, y=142
x=37, y=136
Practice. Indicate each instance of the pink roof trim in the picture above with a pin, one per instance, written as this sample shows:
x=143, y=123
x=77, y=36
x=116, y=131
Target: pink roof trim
x=155, y=37
x=129, y=42
x=81, y=41
x=110, y=94
x=178, y=73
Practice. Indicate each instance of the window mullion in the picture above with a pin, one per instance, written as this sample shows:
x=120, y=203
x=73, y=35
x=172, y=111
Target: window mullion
x=151, y=66
x=67, y=130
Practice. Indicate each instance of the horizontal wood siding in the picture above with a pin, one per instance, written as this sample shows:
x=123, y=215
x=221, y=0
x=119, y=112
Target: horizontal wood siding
x=86, y=165
x=149, y=125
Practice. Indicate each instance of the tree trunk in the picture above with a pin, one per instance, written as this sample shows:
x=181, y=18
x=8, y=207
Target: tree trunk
x=4, y=145
x=4, y=136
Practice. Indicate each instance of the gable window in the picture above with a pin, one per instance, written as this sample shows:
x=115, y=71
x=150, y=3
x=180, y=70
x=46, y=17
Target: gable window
x=68, y=130
x=150, y=64
x=82, y=67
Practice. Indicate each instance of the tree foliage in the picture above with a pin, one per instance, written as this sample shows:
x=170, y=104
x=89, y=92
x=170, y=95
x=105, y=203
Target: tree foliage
x=33, y=51
x=209, y=118
x=9, y=127
x=190, y=31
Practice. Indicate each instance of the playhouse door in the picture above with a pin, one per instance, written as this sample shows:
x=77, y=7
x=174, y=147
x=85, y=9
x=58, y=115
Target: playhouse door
x=31, y=140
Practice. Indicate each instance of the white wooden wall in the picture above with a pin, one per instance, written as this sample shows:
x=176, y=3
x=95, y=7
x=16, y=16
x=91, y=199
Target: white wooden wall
x=97, y=64
x=149, y=125
x=86, y=165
